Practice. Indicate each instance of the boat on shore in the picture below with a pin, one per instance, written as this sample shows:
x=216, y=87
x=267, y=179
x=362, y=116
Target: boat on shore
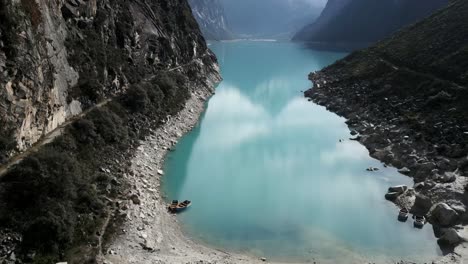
x=176, y=207
x=173, y=205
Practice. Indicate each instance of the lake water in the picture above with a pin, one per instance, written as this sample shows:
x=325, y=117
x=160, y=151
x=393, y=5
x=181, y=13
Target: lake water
x=268, y=176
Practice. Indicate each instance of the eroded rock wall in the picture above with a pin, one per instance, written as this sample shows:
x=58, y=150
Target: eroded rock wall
x=59, y=57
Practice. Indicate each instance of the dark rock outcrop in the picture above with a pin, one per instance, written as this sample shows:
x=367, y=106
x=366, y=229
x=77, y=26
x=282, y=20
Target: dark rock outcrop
x=58, y=58
x=365, y=21
x=84, y=81
x=406, y=98
x=443, y=215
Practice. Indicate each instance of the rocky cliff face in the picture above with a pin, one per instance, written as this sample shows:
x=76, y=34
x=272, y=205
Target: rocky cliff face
x=212, y=19
x=106, y=74
x=58, y=58
x=365, y=21
x=406, y=98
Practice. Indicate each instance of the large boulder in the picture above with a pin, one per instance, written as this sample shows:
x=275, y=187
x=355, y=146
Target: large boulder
x=422, y=205
x=444, y=215
x=391, y=196
x=450, y=237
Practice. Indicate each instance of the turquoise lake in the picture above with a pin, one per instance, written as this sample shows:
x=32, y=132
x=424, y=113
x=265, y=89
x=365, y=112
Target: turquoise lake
x=268, y=176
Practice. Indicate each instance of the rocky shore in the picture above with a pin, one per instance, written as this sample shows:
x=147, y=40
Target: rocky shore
x=405, y=100
x=439, y=192
x=149, y=233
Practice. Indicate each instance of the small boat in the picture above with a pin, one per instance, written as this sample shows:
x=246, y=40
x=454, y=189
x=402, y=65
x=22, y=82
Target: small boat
x=176, y=207
x=419, y=221
x=403, y=215
x=172, y=207
x=183, y=205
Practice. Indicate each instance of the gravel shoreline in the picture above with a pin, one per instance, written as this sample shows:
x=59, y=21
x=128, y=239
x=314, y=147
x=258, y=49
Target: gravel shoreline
x=149, y=233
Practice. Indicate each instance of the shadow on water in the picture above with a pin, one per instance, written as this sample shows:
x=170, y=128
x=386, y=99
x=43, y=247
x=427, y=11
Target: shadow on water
x=336, y=47
x=173, y=182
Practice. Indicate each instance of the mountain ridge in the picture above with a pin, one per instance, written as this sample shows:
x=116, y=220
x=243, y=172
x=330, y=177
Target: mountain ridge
x=350, y=21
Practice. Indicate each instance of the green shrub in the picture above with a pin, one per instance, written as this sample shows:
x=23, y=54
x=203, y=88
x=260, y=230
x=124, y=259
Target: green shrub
x=108, y=125
x=137, y=99
x=85, y=132
x=7, y=138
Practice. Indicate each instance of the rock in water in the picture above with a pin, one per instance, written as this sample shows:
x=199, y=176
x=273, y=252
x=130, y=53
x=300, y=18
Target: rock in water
x=392, y=195
x=444, y=215
x=398, y=189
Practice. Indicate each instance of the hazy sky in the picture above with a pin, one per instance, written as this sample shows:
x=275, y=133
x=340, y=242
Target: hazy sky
x=271, y=16
x=314, y=3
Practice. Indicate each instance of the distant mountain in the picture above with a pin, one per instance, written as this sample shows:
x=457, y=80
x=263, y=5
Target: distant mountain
x=211, y=19
x=365, y=21
x=276, y=19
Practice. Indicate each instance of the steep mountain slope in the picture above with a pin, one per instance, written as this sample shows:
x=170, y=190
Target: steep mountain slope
x=212, y=19
x=365, y=21
x=58, y=59
x=331, y=10
x=406, y=97
x=81, y=83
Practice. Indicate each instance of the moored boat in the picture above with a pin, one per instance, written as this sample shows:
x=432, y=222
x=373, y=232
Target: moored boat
x=403, y=215
x=183, y=205
x=179, y=207
x=172, y=207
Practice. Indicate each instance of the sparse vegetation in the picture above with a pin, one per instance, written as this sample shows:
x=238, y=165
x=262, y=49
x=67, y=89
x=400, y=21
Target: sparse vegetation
x=7, y=140
x=55, y=197
x=58, y=197
x=33, y=12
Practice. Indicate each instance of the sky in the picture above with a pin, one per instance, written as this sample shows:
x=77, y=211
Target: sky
x=313, y=3
x=271, y=17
